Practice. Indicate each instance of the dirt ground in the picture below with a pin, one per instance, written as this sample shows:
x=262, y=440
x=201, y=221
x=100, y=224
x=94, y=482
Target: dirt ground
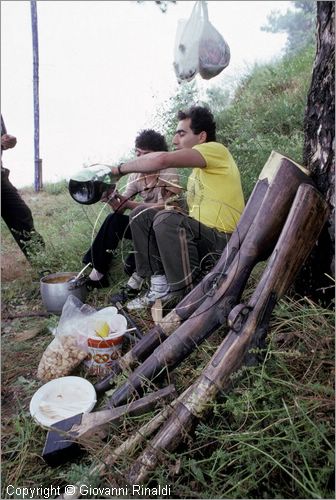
x=20, y=332
x=13, y=265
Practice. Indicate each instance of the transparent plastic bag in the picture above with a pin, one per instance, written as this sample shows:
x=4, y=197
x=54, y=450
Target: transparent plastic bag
x=187, y=39
x=199, y=47
x=214, y=52
x=69, y=347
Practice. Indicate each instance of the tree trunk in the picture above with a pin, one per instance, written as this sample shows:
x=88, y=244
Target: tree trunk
x=319, y=154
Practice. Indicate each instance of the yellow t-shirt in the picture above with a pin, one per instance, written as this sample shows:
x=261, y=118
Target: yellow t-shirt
x=214, y=193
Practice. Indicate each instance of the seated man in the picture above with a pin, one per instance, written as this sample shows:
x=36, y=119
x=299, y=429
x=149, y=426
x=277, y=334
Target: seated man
x=169, y=244
x=153, y=189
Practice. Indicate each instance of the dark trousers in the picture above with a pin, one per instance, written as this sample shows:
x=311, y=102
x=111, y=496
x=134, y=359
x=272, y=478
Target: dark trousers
x=18, y=217
x=114, y=228
x=172, y=243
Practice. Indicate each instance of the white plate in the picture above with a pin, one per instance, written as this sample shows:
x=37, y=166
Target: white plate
x=107, y=311
x=62, y=398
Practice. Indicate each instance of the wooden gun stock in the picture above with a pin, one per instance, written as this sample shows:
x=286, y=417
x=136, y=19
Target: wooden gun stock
x=224, y=294
x=304, y=223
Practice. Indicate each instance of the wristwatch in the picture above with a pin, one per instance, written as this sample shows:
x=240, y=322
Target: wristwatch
x=119, y=168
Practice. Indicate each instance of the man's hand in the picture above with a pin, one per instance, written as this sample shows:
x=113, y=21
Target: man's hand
x=108, y=194
x=8, y=141
x=118, y=202
x=115, y=171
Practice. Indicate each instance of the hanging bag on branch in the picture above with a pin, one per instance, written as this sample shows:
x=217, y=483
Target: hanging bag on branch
x=199, y=47
x=213, y=51
x=187, y=39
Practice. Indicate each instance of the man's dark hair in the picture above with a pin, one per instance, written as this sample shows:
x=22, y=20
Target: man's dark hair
x=151, y=140
x=201, y=120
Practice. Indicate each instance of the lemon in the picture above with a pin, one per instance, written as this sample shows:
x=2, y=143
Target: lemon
x=103, y=330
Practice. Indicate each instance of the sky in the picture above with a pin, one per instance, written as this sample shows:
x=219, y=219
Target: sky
x=105, y=67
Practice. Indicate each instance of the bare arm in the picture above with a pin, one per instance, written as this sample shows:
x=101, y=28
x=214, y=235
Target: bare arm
x=152, y=162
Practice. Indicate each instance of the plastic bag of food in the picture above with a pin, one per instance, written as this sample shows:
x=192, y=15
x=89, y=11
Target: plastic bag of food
x=69, y=347
x=187, y=39
x=213, y=51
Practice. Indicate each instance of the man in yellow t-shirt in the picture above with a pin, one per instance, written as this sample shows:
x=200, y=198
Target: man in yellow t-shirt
x=171, y=246
x=214, y=193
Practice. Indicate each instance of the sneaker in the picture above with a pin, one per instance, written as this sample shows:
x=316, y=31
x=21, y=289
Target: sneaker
x=159, y=289
x=130, y=290
x=149, y=300
x=135, y=281
x=126, y=293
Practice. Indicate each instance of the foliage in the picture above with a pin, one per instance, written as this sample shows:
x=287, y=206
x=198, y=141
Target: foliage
x=271, y=436
x=267, y=114
x=299, y=24
x=218, y=99
x=165, y=118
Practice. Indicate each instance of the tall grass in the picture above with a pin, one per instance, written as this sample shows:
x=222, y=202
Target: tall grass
x=267, y=114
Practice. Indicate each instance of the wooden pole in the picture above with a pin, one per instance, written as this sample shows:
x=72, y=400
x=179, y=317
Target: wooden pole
x=37, y=160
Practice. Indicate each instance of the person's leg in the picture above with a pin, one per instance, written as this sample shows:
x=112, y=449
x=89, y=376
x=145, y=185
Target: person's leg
x=141, y=221
x=181, y=233
x=147, y=256
x=168, y=253
x=191, y=241
x=182, y=244
x=114, y=228
x=210, y=248
x=18, y=217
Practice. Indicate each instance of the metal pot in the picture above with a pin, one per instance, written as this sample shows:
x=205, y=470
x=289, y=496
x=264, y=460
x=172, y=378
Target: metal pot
x=55, y=289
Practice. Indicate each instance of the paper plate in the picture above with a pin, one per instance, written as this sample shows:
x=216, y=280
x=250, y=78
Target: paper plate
x=62, y=398
x=107, y=311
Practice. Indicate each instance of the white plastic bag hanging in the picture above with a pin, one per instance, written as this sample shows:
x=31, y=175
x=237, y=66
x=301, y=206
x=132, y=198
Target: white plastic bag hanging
x=214, y=52
x=187, y=39
x=199, y=47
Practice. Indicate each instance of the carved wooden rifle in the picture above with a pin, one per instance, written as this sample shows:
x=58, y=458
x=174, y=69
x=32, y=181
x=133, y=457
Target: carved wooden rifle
x=248, y=324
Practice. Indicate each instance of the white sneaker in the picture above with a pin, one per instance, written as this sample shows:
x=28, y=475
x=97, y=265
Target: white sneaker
x=159, y=289
x=135, y=281
x=148, y=300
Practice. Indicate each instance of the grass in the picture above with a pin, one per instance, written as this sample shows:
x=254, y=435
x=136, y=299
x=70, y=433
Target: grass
x=271, y=436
